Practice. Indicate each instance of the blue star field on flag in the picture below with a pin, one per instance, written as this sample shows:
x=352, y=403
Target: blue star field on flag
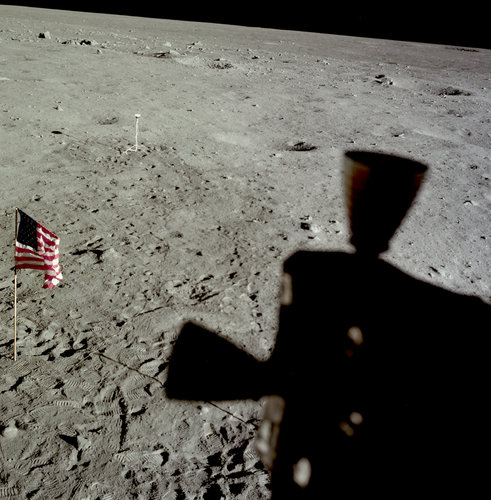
x=27, y=233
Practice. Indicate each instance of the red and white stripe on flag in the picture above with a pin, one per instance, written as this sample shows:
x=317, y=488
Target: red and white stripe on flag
x=44, y=258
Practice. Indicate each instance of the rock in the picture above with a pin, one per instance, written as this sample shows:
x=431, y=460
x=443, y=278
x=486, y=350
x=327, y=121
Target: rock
x=384, y=80
x=81, y=42
x=45, y=34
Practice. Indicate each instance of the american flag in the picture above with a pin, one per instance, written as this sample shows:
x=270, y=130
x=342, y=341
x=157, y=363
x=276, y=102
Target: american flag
x=37, y=248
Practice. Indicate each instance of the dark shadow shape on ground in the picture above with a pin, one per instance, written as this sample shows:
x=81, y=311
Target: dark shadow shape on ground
x=384, y=377
x=360, y=338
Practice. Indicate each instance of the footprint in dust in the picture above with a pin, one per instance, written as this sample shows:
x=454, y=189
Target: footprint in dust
x=213, y=492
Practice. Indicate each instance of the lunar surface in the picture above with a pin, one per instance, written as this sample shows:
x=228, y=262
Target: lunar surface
x=188, y=214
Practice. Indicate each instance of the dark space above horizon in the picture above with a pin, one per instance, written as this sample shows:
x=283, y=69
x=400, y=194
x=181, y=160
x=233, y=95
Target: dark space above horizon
x=416, y=21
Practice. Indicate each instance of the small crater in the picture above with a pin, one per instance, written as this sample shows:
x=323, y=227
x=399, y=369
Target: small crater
x=463, y=49
x=301, y=146
x=108, y=121
x=452, y=91
x=220, y=64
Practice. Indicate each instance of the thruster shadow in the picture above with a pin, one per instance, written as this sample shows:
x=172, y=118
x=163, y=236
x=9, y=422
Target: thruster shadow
x=378, y=380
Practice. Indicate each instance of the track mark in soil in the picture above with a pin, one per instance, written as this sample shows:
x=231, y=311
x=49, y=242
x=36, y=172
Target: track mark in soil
x=124, y=420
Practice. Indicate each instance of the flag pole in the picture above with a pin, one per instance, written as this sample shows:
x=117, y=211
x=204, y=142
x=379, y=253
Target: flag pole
x=15, y=292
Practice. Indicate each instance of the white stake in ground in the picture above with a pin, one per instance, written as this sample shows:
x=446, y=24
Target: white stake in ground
x=135, y=147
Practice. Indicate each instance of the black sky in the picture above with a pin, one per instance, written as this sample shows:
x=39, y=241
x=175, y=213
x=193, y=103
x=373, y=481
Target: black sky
x=464, y=24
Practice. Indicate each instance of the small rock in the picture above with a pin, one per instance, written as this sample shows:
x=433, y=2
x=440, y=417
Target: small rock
x=306, y=223
x=384, y=80
x=46, y=35
x=162, y=55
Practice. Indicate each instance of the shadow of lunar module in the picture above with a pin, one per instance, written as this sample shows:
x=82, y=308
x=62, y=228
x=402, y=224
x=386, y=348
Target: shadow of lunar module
x=376, y=382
